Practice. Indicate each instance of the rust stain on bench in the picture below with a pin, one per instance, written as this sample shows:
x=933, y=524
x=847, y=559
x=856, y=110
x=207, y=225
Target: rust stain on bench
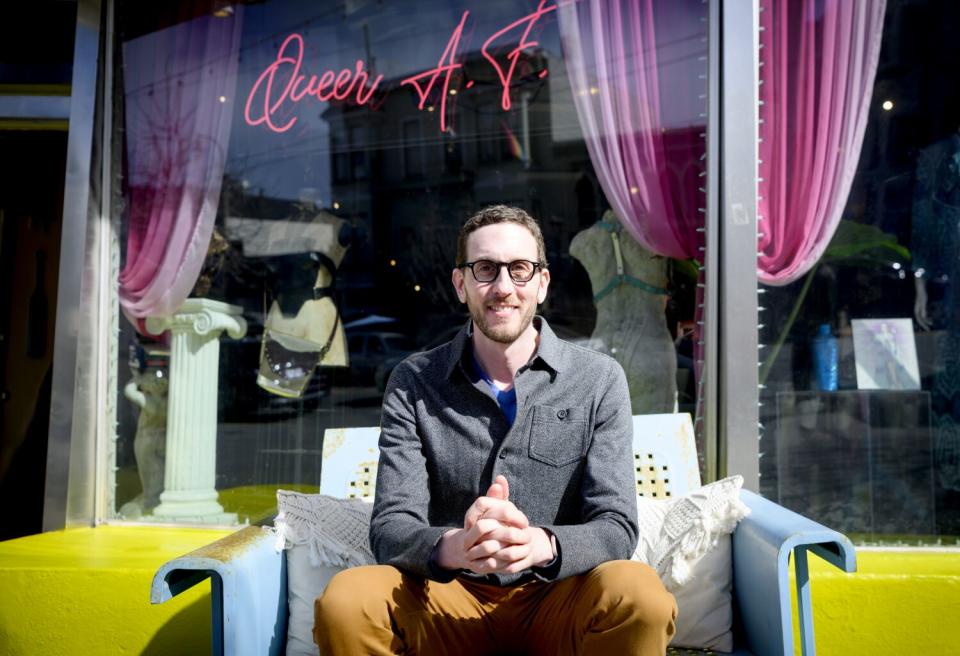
x=229, y=547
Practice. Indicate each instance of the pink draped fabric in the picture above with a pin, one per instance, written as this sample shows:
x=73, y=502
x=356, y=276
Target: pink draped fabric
x=646, y=142
x=819, y=59
x=179, y=87
x=610, y=51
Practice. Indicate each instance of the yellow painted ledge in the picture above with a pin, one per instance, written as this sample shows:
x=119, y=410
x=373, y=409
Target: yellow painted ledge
x=87, y=591
x=898, y=602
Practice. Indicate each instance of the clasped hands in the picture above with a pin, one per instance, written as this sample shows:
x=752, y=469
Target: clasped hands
x=496, y=537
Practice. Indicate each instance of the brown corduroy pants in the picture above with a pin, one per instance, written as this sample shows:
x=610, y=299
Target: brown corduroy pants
x=619, y=607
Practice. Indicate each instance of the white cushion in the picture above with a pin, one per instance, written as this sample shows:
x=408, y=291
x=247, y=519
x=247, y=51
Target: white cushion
x=322, y=535
x=687, y=540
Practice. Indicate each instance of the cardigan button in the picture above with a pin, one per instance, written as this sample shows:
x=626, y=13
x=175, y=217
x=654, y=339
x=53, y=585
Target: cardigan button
x=561, y=414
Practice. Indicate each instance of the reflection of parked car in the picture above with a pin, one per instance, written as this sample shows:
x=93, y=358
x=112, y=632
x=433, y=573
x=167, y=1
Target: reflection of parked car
x=370, y=349
x=382, y=373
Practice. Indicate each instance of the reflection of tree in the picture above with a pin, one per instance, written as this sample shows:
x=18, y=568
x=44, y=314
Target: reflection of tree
x=430, y=253
x=170, y=138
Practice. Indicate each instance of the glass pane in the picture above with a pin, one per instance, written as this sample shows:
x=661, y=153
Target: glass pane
x=333, y=151
x=860, y=413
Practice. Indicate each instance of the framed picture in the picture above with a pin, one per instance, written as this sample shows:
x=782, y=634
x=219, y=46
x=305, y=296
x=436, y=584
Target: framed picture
x=886, y=354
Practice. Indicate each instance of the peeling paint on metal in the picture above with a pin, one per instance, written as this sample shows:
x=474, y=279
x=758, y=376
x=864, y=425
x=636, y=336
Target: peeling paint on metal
x=228, y=547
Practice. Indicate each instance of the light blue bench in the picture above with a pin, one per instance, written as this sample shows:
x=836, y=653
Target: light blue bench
x=249, y=582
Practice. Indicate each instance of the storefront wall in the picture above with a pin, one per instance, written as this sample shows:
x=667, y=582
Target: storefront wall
x=342, y=214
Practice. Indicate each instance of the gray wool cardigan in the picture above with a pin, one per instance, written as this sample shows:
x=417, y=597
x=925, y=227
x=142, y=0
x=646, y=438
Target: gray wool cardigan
x=568, y=456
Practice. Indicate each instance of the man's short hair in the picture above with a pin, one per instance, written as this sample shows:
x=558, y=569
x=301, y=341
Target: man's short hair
x=500, y=214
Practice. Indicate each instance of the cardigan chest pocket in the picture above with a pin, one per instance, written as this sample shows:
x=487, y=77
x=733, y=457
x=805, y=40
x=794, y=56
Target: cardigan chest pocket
x=557, y=435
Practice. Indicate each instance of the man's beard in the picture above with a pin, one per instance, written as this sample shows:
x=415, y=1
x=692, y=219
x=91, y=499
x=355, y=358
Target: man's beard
x=501, y=333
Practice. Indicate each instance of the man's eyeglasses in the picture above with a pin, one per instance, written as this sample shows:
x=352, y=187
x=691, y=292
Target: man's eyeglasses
x=488, y=270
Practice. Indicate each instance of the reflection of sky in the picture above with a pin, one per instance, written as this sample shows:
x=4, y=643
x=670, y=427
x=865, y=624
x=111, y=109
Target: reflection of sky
x=396, y=40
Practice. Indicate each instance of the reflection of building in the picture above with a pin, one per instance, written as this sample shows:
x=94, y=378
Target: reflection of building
x=408, y=185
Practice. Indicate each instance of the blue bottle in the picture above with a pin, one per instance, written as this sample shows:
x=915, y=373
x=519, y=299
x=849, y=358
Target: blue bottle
x=825, y=359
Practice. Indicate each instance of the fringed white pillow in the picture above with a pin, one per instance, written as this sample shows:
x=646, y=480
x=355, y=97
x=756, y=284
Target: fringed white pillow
x=323, y=535
x=687, y=540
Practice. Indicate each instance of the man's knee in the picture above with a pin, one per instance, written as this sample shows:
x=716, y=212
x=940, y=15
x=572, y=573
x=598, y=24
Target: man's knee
x=347, y=597
x=637, y=586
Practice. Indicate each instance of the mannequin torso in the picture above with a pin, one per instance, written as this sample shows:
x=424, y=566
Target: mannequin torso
x=631, y=325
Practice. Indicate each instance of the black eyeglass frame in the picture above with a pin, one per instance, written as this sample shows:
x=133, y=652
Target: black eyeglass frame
x=537, y=266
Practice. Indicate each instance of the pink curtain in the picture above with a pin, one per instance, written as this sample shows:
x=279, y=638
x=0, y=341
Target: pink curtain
x=819, y=59
x=179, y=90
x=648, y=170
x=648, y=148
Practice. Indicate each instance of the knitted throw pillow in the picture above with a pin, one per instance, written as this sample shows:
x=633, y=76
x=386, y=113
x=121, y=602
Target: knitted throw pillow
x=323, y=535
x=687, y=541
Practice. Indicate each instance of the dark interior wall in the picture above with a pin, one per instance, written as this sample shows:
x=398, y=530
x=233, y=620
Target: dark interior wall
x=32, y=166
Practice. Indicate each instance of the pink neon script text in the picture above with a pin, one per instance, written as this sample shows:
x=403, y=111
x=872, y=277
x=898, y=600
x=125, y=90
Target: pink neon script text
x=284, y=72
x=506, y=78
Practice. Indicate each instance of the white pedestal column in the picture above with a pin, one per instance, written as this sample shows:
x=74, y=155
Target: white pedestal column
x=189, y=493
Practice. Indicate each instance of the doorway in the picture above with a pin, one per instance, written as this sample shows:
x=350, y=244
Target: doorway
x=32, y=170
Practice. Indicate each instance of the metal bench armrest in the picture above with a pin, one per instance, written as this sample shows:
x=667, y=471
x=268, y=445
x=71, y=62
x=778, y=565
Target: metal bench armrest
x=762, y=546
x=248, y=590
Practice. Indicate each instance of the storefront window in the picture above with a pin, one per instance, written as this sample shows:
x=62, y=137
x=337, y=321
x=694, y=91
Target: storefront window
x=860, y=325
x=298, y=172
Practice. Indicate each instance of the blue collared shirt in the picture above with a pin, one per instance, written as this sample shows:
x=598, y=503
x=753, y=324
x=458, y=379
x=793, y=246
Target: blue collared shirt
x=507, y=399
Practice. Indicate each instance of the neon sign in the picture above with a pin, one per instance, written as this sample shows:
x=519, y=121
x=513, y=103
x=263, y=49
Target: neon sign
x=514, y=55
x=283, y=83
x=329, y=86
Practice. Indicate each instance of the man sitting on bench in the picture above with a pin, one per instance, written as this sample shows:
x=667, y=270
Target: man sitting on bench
x=505, y=509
